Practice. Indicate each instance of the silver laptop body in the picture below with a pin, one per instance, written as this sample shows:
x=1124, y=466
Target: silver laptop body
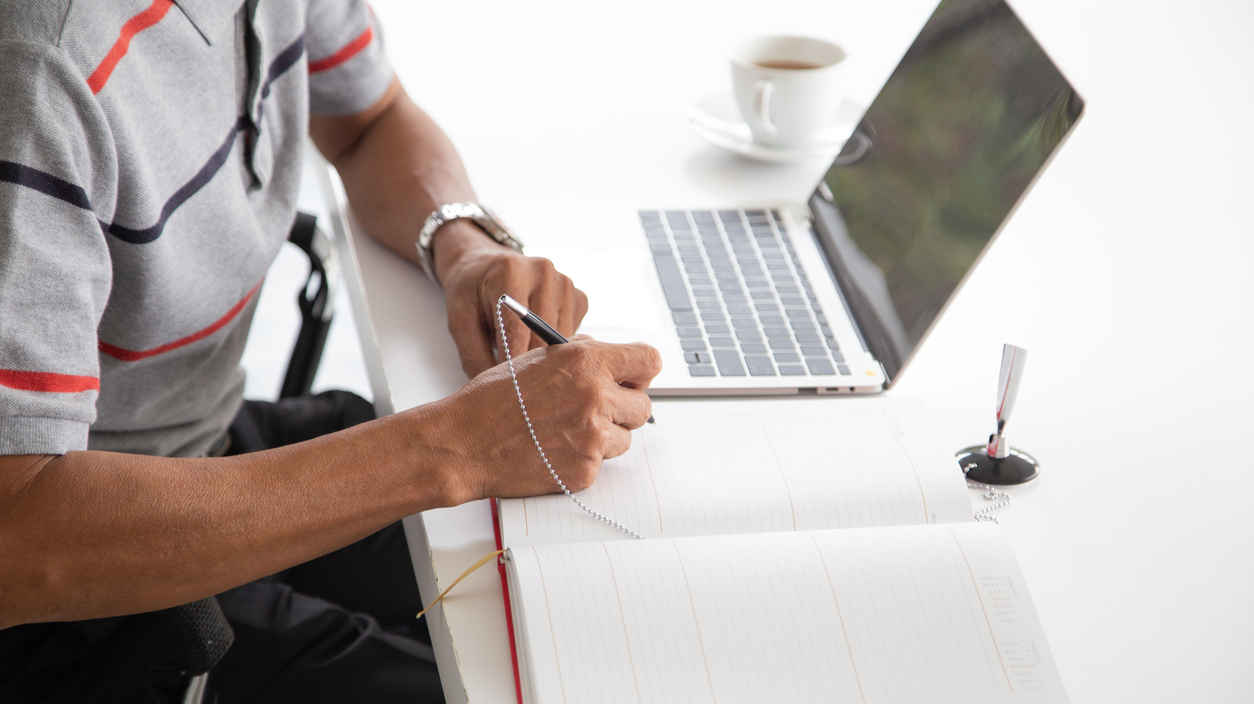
x=837, y=294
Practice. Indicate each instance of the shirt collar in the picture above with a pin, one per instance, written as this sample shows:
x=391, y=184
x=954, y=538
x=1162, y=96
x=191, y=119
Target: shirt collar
x=212, y=18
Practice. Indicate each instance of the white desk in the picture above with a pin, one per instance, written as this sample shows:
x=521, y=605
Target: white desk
x=1126, y=273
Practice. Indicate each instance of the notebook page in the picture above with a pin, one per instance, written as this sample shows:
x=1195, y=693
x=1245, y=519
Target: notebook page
x=745, y=467
x=897, y=615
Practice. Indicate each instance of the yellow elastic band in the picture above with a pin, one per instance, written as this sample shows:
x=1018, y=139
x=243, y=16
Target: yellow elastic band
x=486, y=559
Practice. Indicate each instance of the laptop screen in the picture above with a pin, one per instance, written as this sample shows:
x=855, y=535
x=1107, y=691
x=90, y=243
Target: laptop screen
x=955, y=138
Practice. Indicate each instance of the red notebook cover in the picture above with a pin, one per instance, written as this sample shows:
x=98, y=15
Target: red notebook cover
x=509, y=613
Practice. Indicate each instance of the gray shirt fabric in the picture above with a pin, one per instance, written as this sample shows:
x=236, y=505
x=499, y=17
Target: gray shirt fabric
x=150, y=156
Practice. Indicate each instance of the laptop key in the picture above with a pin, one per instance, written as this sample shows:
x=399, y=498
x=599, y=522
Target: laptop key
x=689, y=332
x=730, y=287
x=728, y=362
x=783, y=357
x=727, y=276
x=693, y=345
x=739, y=311
x=672, y=282
x=712, y=316
x=777, y=332
x=802, y=326
x=808, y=338
x=744, y=323
x=684, y=318
x=842, y=369
x=734, y=297
x=708, y=304
x=772, y=320
x=820, y=366
x=753, y=348
x=759, y=366
x=722, y=342
x=792, y=370
x=782, y=343
x=748, y=336
x=700, y=370
x=660, y=247
x=763, y=295
x=717, y=329
x=812, y=351
x=838, y=356
x=698, y=357
x=678, y=219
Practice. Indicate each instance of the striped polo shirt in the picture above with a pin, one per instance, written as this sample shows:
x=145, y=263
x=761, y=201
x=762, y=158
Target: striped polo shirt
x=150, y=156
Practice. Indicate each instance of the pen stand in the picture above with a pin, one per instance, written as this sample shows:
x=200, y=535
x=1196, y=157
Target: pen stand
x=1015, y=468
x=997, y=463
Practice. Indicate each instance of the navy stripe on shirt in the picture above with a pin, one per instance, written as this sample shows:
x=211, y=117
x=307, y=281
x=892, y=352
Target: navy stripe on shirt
x=76, y=196
x=44, y=183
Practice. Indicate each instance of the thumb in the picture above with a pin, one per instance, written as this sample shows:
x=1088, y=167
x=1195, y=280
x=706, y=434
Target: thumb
x=473, y=338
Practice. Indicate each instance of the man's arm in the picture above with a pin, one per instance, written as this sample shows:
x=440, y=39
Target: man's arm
x=94, y=534
x=398, y=167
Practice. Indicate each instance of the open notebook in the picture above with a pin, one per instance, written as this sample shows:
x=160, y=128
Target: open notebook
x=802, y=552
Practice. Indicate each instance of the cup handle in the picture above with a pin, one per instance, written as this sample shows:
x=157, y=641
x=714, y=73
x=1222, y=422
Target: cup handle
x=762, y=91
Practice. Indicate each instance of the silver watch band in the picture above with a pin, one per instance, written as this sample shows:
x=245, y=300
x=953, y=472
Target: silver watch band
x=481, y=215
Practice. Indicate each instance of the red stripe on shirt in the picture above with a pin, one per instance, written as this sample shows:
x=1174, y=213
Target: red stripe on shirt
x=349, y=51
x=48, y=381
x=133, y=26
x=134, y=355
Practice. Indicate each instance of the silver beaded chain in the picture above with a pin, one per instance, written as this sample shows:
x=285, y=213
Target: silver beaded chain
x=500, y=322
x=991, y=493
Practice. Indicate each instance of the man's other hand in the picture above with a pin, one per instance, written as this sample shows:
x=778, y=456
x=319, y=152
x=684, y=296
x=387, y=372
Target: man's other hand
x=475, y=271
x=583, y=398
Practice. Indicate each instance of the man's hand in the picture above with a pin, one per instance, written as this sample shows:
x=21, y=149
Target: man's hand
x=584, y=398
x=398, y=167
x=475, y=271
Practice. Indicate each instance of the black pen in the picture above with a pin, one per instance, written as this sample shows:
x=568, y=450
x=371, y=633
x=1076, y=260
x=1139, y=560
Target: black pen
x=537, y=325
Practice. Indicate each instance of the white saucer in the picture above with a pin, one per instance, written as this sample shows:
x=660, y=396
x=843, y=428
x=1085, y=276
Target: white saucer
x=717, y=120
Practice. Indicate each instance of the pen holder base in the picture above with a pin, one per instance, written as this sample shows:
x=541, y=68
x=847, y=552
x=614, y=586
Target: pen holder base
x=1016, y=468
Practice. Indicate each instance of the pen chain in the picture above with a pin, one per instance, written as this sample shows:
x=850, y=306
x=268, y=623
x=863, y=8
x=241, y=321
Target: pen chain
x=500, y=322
x=991, y=493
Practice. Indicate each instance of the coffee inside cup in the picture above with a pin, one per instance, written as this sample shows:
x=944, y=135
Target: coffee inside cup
x=788, y=64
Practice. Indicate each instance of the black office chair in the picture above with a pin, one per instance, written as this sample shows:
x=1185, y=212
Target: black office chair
x=202, y=625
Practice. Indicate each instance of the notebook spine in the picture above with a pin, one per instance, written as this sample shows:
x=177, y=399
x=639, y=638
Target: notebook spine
x=509, y=613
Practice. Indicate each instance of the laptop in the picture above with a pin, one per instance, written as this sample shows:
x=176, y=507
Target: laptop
x=836, y=294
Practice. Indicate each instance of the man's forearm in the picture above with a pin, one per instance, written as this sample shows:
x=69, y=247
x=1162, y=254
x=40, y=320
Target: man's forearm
x=92, y=534
x=398, y=167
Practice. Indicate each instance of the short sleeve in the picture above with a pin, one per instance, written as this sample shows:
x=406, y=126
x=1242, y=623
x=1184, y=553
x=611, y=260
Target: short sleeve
x=57, y=184
x=348, y=67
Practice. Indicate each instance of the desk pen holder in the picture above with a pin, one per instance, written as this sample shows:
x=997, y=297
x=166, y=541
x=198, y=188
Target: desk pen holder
x=997, y=463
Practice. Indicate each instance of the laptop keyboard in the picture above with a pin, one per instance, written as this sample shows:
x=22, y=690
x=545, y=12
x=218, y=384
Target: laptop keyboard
x=740, y=301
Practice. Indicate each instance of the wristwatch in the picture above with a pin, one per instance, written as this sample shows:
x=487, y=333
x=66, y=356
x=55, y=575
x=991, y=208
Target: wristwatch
x=480, y=214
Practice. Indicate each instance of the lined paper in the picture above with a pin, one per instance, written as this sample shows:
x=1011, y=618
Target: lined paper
x=727, y=467
x=893, y=615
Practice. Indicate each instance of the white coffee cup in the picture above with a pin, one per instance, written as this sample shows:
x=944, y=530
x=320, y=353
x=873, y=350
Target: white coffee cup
x=787, y=88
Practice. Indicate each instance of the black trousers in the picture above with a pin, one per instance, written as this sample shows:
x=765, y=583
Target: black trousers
x=339, y=628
